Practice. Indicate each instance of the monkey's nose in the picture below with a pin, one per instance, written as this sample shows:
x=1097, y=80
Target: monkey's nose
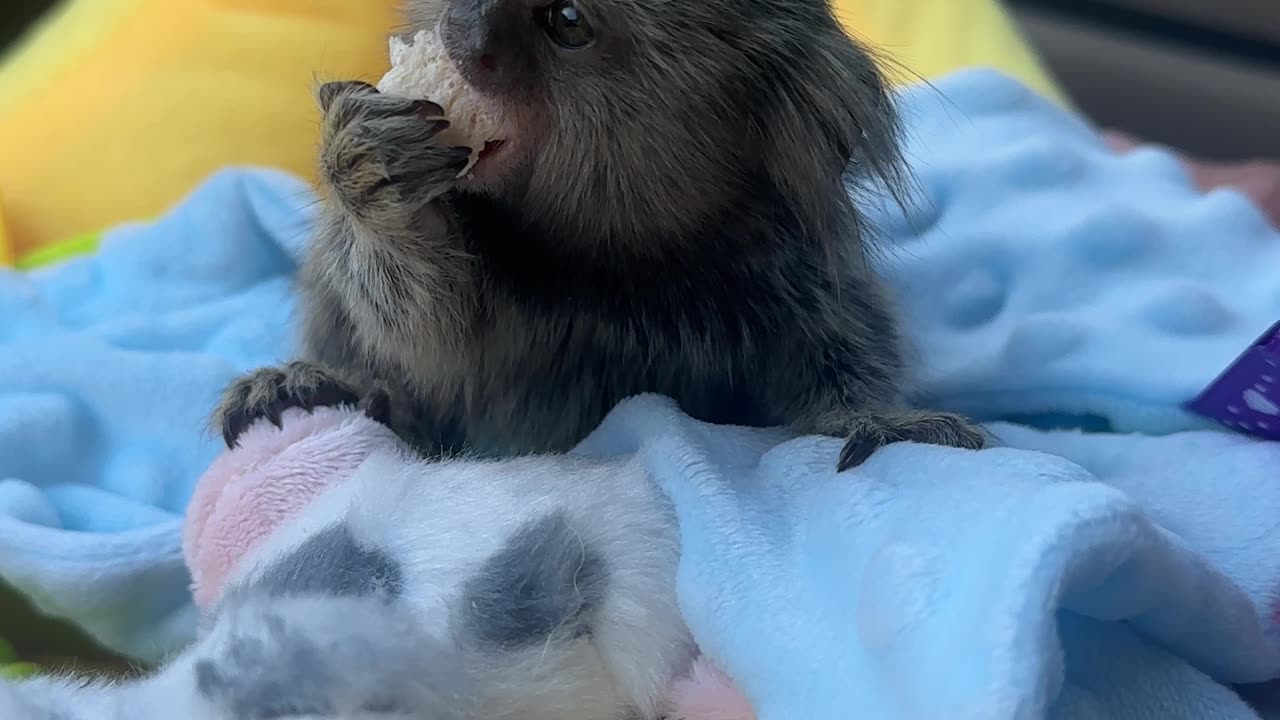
x=491, y=43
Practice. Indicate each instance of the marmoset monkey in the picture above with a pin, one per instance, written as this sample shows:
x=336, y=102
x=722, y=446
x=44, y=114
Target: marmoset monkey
x=665, y=208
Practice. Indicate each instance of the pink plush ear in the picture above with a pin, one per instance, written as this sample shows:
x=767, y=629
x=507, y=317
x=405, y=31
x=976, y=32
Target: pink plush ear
x=708, y=694
x=272, y=474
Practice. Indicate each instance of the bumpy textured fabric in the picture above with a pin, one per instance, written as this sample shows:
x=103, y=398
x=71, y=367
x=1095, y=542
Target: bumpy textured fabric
x=1051, y=277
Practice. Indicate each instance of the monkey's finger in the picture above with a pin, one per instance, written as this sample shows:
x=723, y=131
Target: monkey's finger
x=328, y=393
x=331, y=91
x=460, y=155
x=233, y=426
x=390, y=107
x=273, y=411
x=428, y=110
x=377, y=406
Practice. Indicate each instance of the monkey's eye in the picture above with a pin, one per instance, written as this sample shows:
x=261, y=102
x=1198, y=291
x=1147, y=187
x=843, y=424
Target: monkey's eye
x=566, y=26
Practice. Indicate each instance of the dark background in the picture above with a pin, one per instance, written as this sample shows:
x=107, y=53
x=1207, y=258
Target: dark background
x=17, y=15
x=1201, y=75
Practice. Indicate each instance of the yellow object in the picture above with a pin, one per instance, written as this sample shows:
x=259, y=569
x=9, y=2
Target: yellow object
x=6, y=254
x=114, y=109
x=928, y=38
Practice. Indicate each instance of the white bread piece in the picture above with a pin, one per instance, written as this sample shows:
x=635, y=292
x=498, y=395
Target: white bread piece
x=423, y=70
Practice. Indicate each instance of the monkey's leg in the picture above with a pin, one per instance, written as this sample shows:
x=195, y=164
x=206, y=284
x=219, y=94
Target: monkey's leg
x=868, y=431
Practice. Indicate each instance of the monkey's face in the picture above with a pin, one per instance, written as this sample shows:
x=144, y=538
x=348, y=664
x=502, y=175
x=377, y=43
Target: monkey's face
x=635, y=117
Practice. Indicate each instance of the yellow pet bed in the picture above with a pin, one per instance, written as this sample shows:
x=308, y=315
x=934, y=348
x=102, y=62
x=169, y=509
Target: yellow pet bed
x=113, y=109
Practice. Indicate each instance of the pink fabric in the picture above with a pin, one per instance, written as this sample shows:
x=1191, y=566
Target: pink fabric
x=708, y=694
x=1258, y=180
x=246, y=493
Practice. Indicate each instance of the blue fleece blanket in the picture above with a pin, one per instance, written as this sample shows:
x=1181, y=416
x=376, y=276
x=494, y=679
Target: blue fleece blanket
x=1043, y=279
x=1064, y=576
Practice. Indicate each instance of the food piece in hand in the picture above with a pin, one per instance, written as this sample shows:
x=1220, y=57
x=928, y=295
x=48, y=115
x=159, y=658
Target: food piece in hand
x=423, y=70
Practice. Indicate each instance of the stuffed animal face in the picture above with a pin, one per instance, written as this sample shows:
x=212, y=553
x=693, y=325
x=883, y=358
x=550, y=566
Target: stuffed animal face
x=538, y=588
x=549, y=582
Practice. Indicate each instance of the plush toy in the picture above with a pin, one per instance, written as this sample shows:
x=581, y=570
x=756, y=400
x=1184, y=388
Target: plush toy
x=274, y=473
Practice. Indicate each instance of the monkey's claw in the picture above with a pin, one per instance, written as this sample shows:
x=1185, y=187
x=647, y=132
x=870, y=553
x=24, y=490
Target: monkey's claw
x=869, y=433
x=376, y=404
x=268, y=392
x=856, y=450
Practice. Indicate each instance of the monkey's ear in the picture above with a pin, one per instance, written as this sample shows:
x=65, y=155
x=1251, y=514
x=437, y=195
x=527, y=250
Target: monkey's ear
x=835, y=122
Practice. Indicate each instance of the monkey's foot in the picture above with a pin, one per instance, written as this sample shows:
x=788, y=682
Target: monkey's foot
x=268, y=392
x=868, y=432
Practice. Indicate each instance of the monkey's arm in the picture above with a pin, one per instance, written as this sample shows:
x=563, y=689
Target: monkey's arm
x=848, y=380
x=386, y=272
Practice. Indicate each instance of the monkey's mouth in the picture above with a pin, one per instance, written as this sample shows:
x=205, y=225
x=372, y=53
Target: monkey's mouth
x=490, y=147
x=488, y=168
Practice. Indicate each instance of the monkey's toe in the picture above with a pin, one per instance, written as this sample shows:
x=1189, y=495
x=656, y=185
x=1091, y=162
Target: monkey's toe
x=859, y=447
x=268, y=392
x=925, y=427
x=942, y=428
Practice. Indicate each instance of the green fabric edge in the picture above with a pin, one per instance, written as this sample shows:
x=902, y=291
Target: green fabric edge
x=58, y=252
x=10, y=668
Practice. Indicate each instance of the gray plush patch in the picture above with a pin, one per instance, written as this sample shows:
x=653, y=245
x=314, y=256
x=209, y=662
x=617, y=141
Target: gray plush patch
x=330, y=657
x=331, y=562
x=260, y=678
x=545, y=580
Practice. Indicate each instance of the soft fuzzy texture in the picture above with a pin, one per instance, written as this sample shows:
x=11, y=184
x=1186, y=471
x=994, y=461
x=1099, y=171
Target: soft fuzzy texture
x=272, y=475
x=275, y=472
x=1151, y=552
x=708, y=694
x=1045, y=269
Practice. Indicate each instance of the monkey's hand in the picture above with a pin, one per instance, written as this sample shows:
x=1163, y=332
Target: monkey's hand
x=868, y=432
x=268, y=392
x=379, y=154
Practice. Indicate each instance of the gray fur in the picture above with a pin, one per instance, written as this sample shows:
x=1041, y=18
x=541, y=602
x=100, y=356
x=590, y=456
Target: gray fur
x=322, y=657
x=672, y=216
x=543, y=583
x=330, y=562
x=257, y=687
